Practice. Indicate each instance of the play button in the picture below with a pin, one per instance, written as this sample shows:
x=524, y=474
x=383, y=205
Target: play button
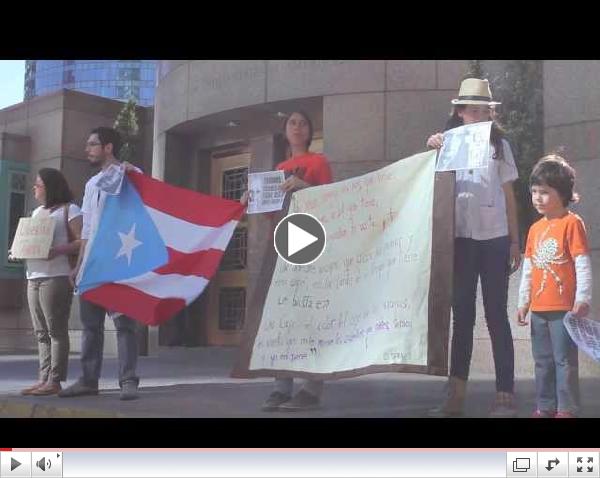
x=15, y=464
x=299, y=239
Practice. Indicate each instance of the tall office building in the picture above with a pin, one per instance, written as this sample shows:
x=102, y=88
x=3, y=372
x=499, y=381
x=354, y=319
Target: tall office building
x=116, y=79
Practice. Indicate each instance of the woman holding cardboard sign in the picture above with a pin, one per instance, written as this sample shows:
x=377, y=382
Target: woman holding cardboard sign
x=305, y=169
x=486, y=245
x=49, y=291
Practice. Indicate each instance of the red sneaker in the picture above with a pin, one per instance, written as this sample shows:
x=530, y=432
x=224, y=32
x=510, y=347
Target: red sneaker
x=565, y=415
x=543, y=414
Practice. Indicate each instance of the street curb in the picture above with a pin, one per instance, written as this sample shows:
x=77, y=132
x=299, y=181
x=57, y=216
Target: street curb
x=19, y=409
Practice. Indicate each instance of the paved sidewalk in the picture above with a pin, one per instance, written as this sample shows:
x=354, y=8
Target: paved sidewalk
x=195, y=382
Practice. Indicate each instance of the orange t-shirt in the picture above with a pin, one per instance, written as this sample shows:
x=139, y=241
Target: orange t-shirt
x=552, y=246
x=311, y=167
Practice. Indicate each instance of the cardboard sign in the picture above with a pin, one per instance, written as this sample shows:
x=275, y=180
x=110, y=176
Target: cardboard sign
x=33, y=238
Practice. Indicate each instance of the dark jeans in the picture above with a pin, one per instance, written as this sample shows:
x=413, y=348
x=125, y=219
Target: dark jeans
x=92, y=347
x=489, y=260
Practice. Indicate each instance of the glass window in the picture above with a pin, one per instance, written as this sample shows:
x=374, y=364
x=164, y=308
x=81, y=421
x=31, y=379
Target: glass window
x=234, y=257
x=235, y=182
x=135, y=76
x=232, y=308
x=17, y=182
x=17, y=211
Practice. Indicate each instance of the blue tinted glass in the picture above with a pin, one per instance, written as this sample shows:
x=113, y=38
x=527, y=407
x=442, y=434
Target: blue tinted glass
x=110, y=78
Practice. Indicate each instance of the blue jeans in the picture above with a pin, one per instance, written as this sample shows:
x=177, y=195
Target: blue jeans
x=489, y=260
x=92, y=347
x=556, y=363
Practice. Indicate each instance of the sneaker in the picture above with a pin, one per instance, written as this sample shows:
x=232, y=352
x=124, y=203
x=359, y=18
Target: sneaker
x=129, y=391
x=543, y=414
x=301, y=401
x=504, y=407
x=565, y=415
x=33, y=388
x=273, y=401
x=78, y=389
x=50, y=388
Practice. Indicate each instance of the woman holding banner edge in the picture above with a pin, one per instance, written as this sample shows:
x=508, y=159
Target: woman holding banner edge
x=305, y=169
x=486, y=245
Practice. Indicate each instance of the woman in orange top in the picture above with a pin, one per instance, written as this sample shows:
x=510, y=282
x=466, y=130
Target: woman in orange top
x=556, y=279
x=308, y=169
x=305, y=169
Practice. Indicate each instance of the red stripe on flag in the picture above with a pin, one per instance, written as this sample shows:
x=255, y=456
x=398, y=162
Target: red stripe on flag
x=185, y=204
x=201, y=263
x=134, y=303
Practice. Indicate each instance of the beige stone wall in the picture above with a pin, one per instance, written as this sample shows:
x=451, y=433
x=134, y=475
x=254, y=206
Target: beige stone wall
x=57, y=128
x=572, y=121
x=374, y=111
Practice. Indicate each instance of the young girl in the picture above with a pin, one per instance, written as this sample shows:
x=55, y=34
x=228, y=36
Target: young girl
x=556, y=279
x=487, y=246
x=307, y=169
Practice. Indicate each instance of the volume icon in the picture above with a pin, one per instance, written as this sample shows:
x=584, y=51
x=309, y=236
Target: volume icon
x=43, y=463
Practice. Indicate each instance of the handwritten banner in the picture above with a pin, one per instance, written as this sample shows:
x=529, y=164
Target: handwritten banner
x=365, y=303
x=33, y=238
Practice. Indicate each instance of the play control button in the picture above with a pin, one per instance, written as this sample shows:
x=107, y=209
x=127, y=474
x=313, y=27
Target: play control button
x=299, y=239
x=15, y=464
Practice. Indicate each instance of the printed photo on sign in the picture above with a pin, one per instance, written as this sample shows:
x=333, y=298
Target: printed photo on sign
x=465, y=147
x=112, y=179
x=264, y=194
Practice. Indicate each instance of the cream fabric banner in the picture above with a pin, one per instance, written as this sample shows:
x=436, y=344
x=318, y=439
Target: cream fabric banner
x=365, y=300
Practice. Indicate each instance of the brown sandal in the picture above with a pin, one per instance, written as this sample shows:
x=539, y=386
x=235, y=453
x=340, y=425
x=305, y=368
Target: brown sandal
x=50, y=388
x=33, y=388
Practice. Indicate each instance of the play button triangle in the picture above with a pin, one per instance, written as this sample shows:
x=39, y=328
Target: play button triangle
x=298, y=239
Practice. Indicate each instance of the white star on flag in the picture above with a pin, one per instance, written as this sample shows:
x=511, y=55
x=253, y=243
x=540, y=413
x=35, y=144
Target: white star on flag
x=128, y=244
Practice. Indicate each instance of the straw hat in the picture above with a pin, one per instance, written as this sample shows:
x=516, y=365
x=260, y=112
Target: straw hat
x=474, y=92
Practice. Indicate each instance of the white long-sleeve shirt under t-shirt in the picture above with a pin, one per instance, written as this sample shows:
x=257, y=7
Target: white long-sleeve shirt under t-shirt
x=583, y=280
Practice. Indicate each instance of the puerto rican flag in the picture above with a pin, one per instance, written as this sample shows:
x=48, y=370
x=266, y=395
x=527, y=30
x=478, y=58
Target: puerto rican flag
x=155, y=249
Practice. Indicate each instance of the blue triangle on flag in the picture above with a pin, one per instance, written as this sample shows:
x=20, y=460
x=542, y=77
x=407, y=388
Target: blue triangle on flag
x=127, y=243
